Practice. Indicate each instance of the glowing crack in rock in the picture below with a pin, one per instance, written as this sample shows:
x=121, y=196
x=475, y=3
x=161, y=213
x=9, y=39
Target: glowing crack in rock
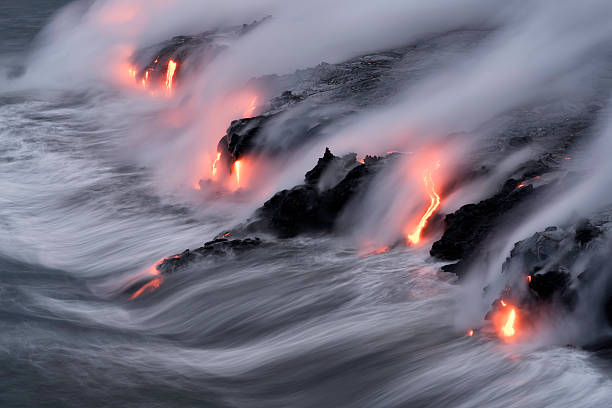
x=434, y=203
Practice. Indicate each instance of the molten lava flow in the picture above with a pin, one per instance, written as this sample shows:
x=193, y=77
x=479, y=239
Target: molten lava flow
x=434, y=203
x=154, y=283
x=214, y=167
x=378, y=251
x=132, y=73
x=170, y=74
x=237, y=165
x=227, y=234
x=507, y=329
x=470, y=332
x=503, y=303
x=145, y=80
x=529, y=278
x=149, y=287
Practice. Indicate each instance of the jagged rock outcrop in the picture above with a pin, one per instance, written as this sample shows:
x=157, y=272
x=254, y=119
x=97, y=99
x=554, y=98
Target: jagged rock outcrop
x=559, y=268
x=316, y=205
x=469, y=226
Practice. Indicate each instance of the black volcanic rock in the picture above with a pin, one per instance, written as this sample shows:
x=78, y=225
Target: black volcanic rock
x=560, y=268
x=316, y=205
x=471, y=224
x=586, y=232
x=242, y=135
x=551, y=285
x=330, y=168
x=196, y=50
x=313, y=176
x=217, y=247
x=240, y=140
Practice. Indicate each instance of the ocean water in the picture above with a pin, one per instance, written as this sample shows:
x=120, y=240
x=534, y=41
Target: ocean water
x=297, y=323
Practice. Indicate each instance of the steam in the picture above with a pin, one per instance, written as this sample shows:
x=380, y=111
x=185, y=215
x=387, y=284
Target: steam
x=540, y=54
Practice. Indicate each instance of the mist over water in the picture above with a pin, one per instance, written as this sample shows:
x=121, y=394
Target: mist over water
x=97, y=185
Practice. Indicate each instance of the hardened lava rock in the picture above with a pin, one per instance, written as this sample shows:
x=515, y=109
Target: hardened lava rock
x=217, y=247
x=316, y=205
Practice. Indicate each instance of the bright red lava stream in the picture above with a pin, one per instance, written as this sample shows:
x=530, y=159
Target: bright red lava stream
x=415, y=237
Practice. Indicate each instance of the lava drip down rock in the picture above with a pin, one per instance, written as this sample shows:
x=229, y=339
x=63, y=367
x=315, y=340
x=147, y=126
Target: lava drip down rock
x=199, y=49
x=241, y=139
x=559, y=268
x=316, y=205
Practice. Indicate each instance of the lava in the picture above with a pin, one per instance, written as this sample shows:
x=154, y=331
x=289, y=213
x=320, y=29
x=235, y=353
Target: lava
x=505, y=320
x=434, y=203
x=145, y=80
x=214, y=166
x=237, y=165
x=470, y=332
x=154, y=283
x=151, y=286
x=378, y=251
x=529, y=278
x=170, y=74
x=507, y=329
x=132, y=73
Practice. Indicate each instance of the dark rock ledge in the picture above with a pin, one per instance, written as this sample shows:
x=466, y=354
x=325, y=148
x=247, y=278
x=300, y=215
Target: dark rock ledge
x=316, y=205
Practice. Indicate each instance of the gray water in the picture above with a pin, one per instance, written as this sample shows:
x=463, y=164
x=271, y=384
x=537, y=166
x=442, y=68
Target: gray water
x=298, y=323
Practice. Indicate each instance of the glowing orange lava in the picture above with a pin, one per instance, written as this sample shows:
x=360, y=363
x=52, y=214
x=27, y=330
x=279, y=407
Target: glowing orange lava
x=154, y=283
x=170, y=74
x=237, y=165
x=507, y=329
x=470, y=333
x=132, y=73
x=149, y=287
x=145, y=80
x=227, y=234
x=529, y=278
x=214, y=167
x=378, y=251
x=502, y=303
x=434, y=203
